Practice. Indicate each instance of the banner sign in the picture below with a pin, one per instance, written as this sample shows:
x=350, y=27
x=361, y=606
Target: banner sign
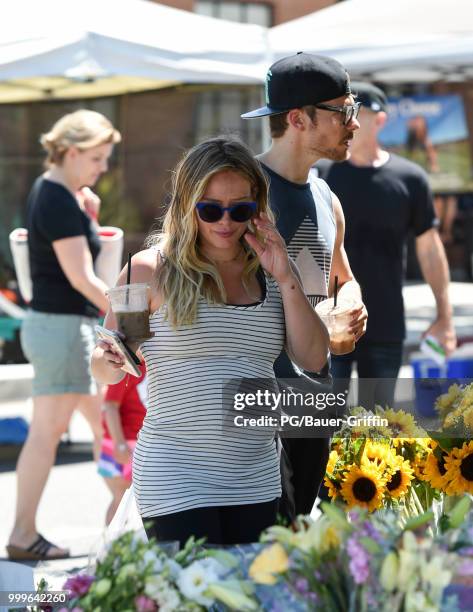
x=431, y=131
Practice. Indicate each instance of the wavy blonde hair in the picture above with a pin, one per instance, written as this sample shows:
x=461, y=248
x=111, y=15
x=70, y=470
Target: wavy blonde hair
x=83, y=129
x=186, y=274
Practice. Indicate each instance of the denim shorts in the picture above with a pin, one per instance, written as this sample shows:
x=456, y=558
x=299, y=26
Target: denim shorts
x=59, y=347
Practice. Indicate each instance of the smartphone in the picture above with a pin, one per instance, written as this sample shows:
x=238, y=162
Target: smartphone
x=132, y=362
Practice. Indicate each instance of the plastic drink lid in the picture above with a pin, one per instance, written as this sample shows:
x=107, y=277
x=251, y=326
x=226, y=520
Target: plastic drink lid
x=327, y=308
x=131, y=287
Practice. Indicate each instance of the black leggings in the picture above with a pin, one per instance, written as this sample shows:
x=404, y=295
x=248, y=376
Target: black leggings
x=226, y=525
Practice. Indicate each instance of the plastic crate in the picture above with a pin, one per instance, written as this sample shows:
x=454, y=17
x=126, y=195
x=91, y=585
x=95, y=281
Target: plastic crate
x=431, y=380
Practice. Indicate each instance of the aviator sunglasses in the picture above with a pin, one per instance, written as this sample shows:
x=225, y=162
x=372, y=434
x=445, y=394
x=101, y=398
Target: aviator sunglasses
x=211, y=213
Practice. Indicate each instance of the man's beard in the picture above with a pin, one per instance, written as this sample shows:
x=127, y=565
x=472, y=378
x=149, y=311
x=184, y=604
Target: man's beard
x=336, y=154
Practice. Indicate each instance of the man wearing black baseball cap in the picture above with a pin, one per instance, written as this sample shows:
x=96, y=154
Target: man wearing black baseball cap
x=312, y=115
x=383, y=197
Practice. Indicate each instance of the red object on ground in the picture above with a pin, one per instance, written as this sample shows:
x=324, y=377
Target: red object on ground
x=10, y=295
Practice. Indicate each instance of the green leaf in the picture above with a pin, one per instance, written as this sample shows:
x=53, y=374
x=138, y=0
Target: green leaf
x=445, y=441
x=223, y=557
x=370, y=545
x=457, y=515
x=444, y=523
x=358, y=448
x=417, y=521
x=336, y=515
x=232, y=596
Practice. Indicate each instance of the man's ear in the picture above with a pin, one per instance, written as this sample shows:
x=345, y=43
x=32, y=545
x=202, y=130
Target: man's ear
x=295, y=118
x=381, y=119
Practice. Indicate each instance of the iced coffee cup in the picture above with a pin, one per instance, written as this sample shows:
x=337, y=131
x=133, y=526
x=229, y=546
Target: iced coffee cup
x=130, y=306
x=337, y=320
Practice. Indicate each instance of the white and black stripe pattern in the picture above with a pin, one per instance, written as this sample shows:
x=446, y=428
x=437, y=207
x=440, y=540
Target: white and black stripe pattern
x=313, y=257
x=183, y=459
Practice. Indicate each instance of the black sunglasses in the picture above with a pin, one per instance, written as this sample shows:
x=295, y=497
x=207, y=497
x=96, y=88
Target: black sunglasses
x=211, y=213
x=349, y=111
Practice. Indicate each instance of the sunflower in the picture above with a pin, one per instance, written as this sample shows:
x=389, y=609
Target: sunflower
x=446, y=402
x=401, y=478
x=467, y=398
x=453, y=419
x=332, y=461
x=402, y=425
x=363, y=486
x=427, y=444
x=435, y=472
x=424, y=448
x=378, y=455
x=468, y=418
x=329, y=480
x=459, y=469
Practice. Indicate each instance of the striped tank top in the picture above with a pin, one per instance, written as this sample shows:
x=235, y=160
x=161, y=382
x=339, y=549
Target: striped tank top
x=183, y=459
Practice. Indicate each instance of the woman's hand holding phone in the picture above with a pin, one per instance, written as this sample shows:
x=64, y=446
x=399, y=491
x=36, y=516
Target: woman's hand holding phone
x=110, y=355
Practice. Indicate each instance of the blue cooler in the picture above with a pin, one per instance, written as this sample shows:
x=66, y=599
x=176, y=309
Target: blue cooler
x=430, y=380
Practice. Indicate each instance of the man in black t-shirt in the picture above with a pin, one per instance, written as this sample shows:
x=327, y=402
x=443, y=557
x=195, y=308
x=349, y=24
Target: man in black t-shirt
x=384, y=197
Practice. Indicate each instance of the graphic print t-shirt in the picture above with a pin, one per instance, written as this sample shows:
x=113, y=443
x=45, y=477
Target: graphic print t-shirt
x=305, y=219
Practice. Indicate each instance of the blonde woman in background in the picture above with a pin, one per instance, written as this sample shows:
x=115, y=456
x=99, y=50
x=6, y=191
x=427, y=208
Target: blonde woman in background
x=57, y=335
x=225, y=299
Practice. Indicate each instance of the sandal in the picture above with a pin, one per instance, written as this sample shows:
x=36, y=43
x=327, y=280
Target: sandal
x=38, y=551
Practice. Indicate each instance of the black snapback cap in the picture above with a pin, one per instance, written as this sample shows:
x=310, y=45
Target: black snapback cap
x=370, y=96
x=300, y=80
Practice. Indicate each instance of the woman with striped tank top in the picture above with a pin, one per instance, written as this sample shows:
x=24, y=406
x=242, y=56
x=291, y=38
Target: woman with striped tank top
x=225, y=298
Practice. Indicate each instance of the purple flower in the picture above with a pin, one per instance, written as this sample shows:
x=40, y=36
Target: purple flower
x=302, y=585
x=467, y=552
x=359, y=561
x=318, y=575
x=354, y=515
x=370, y=531
x=312, y=597
x=144, y=604
x=78, y=585
x=466, y=568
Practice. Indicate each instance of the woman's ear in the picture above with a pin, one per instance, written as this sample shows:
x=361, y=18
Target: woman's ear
x=71, y=153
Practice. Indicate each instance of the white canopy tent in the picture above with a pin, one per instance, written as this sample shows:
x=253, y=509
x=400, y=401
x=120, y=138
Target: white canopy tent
x=62, y=49
x=390, y=41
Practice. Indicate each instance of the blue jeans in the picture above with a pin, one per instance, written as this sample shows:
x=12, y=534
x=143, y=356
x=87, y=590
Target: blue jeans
x=374, y=361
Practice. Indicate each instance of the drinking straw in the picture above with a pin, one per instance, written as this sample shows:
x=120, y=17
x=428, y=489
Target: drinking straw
x=335, y=292
x=128, y=270
x=128, y=278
